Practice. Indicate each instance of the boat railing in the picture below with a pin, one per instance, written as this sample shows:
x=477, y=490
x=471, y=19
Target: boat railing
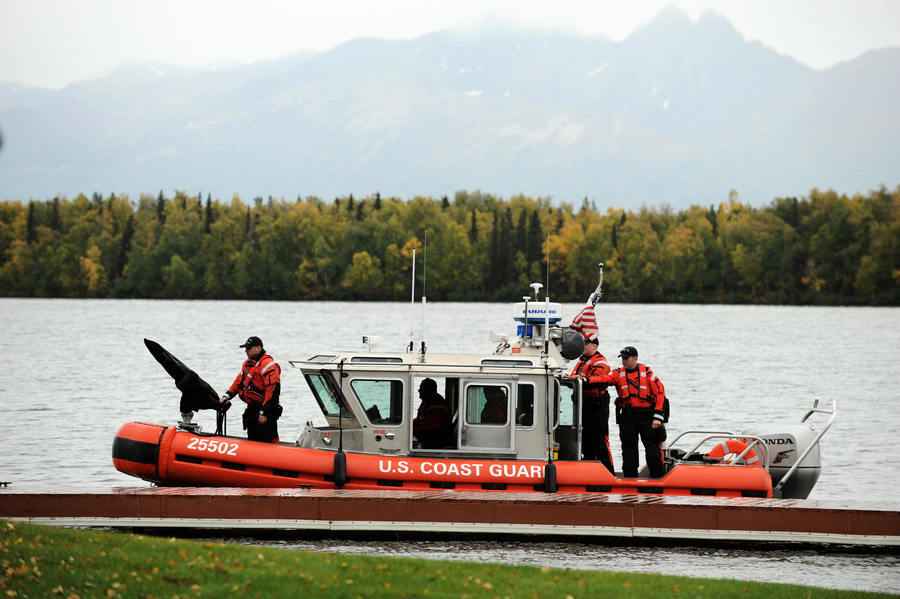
x=752, y=442
x=815, y=442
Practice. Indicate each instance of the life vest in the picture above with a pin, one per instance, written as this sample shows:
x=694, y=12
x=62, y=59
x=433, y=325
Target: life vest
x=596, y=365
x=255, y=377
x=636, y=396
x=728, y=451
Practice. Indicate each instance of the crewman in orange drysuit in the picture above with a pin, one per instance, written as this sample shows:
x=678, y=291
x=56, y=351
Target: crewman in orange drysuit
x=591, y=367
x=640, y=411
x=258, y=384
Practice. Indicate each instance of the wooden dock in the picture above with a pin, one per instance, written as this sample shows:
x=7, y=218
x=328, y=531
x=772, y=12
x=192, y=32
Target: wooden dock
x=581, y=515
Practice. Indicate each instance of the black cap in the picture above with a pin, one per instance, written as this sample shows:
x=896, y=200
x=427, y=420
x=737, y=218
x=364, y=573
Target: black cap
x=252, y=341
x=628, y=351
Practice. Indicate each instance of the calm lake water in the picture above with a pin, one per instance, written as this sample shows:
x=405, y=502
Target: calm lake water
x=72, y=371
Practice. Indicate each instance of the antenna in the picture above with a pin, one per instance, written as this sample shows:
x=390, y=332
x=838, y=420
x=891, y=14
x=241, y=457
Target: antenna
x=424, y=287
x=547, y=260
x=525, y=316
x=340, y=459
x=412, y=299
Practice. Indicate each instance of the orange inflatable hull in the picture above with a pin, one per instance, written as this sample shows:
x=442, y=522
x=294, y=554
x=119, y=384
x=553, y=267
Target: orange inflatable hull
x=167, y=456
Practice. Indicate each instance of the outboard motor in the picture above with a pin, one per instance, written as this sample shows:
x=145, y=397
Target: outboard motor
x=791, y=480
x=783, y=450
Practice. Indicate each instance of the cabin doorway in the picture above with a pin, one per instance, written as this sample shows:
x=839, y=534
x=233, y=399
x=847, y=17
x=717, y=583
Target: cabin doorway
x=567, y=434
x=435, y=407
x=487, y=422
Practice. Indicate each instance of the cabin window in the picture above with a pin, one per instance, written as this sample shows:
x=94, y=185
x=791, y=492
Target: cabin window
x=328, y=403
x=525, y=405
x=382, y=400
x=506, y=363
x=323, y=358
x=566, y=405
x=375, y=360
x=487, y=404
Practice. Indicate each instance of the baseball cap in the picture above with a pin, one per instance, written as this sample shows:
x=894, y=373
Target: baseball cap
x=627, y=351
x=252, y=341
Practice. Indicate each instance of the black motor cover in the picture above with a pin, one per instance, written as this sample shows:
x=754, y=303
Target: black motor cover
x=196, y=394
x=572, y=344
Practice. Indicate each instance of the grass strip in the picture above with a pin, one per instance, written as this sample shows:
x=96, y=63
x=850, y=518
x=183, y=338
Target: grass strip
x=41, y=561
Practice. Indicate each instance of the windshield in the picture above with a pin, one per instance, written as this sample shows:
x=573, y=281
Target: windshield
x=328, y=403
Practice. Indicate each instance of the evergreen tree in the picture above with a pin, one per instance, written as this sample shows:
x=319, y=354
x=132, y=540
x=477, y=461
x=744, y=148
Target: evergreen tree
x=30, y=225
x=713, y=220
x=209, y=217
x=55, y=221
x=473, y=228
x=161, y=209
x=535, y=239
x=350, y=204
x=377, y=201
x=521, y=233
x=124, y=247
x=445, y=203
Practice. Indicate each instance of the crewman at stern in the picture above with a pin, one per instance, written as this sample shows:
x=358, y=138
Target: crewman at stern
x=258, y=384
x=590, y=368
x=640, y=412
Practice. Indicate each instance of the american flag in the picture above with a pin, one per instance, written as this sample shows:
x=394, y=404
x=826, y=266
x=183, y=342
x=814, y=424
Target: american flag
x=585, y=322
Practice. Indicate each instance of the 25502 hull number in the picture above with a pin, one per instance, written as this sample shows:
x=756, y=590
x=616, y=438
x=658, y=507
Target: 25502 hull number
x=213, y=446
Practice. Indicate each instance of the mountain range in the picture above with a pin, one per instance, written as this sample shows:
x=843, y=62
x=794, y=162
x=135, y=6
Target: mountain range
x=681, y=111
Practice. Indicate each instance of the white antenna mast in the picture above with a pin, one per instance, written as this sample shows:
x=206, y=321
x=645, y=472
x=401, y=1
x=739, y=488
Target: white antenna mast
x=412, y=299
x=424, y=288
x=547, y=260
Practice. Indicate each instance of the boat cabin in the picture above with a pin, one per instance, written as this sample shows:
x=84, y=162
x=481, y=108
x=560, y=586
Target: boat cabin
x=488, y=406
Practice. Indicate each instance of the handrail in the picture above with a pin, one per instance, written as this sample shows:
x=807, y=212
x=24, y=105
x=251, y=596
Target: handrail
x=692, y=432
x=755, y=441
x=301, y=364
x=725, y=435
x=815, y=410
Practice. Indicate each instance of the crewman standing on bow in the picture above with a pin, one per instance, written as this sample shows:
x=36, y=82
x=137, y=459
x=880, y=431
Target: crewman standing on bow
x=640, y=412
x=592, y=368
x=258, y=384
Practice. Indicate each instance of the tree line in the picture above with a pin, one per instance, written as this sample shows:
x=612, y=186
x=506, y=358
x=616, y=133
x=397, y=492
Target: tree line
x=825, y=248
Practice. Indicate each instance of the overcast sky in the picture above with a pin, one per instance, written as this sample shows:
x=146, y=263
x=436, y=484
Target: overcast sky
x=55, y=42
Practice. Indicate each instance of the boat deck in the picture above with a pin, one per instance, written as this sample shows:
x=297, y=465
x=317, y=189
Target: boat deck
x=584, y=515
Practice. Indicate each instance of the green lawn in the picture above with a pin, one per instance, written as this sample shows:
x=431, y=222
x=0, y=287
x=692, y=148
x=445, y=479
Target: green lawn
x=43, y=562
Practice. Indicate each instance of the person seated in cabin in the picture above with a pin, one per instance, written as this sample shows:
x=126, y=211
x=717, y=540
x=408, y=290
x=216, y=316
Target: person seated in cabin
x=494, y=411
x=431, y=425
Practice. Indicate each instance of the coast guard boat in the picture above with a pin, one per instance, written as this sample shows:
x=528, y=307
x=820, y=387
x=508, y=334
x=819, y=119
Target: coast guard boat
x=531, y=442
